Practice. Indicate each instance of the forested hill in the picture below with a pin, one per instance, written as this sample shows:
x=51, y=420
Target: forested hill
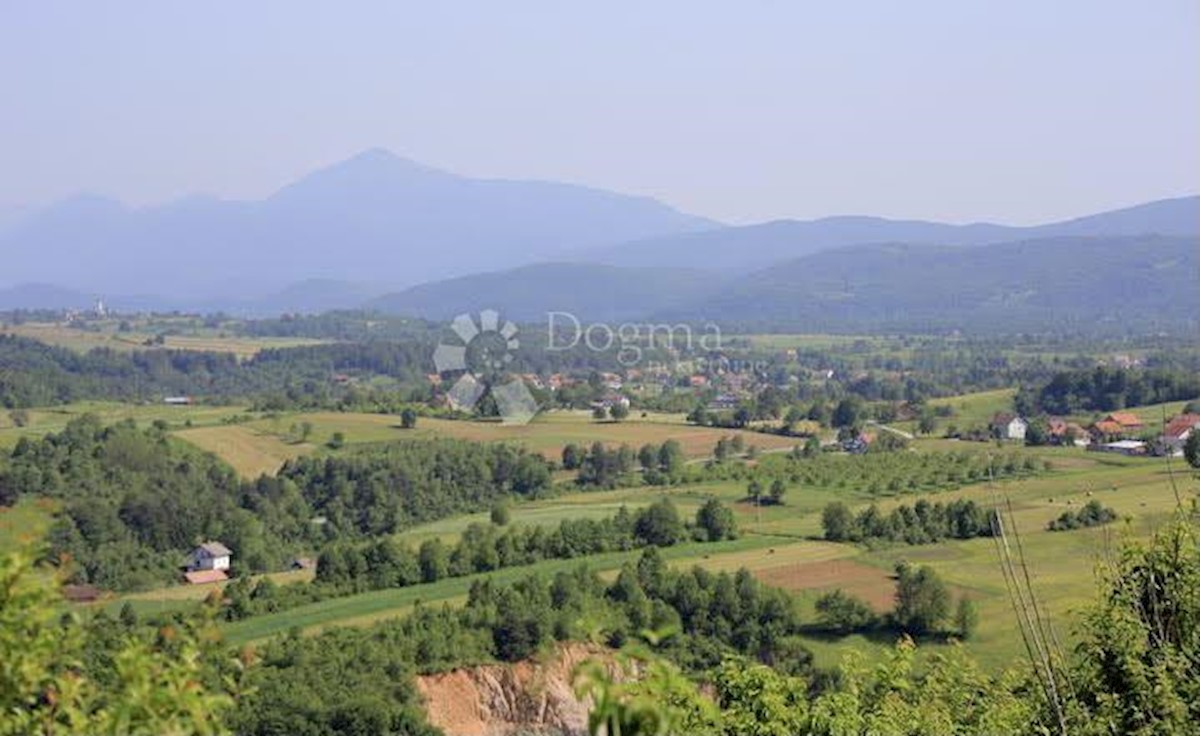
x=1113, y=285
x=748, y=248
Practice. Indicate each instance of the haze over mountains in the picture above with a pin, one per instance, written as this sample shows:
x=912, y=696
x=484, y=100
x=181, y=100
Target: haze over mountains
x=379, y=231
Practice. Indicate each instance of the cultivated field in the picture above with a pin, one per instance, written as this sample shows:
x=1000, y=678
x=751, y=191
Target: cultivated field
x=107, y=335
x=547, y=434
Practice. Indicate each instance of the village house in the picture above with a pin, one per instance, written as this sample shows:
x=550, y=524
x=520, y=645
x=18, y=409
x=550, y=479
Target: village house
x=178, y=401
x=1066, y=433
x=610, y=400
x=1175, y=435
x=1117, y=425
x=1007, y=426
x=723, y=402
x=208, y=563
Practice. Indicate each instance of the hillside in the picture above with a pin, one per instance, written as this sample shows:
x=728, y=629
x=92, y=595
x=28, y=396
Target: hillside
x=374, y=218
x=751, y=247
x=1086, y=284
x=590, y=291
x=1091, y=284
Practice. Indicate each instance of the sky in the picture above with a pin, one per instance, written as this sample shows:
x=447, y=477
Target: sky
x=959, y=110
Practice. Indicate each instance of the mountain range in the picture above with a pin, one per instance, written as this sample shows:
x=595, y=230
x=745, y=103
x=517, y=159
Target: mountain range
x=381, y=232
x=373, y=218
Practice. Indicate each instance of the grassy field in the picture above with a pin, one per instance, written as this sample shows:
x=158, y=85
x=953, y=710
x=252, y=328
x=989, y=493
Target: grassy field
x=54, y=419
x=251, y=452
x=376, y=605
x=108, y=336
x=547, y=434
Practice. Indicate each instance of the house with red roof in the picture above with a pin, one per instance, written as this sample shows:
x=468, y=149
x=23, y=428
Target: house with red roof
x=1178, y=431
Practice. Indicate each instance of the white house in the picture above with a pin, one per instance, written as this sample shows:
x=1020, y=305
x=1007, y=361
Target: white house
x=209, y=556
x=1009, y=427
x=1178, y=430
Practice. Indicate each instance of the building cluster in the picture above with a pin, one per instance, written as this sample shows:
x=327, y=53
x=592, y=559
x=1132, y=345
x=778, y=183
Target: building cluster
x=1117, y=432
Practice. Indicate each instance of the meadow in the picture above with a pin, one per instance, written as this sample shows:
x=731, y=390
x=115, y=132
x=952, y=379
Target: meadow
x=782, y=546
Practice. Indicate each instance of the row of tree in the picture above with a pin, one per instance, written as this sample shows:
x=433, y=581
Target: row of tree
x=921, y=523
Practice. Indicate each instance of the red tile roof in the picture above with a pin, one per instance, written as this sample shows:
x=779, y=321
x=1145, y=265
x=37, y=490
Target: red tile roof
x=200, y=577
x=1179, y=426
x=1107, y=426
x=1125, y=419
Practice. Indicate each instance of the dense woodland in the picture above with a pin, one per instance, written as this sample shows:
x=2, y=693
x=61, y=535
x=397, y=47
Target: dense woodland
x=135, y=502
x=1102, y=389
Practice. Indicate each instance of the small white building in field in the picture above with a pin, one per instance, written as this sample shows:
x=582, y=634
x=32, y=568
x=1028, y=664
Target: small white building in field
x=209, y=556
x=1009, y=427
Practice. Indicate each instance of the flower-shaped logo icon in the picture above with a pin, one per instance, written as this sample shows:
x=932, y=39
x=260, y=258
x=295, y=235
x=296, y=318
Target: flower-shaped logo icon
x=485, y=351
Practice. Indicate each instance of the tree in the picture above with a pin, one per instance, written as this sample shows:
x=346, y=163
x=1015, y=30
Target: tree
x=812, y=446
x=778, y=488
x=19, y=417
x=671, y=457
x=716, y=520
x=648, y=457
x=337, y=441
x=659, y=524
x=500, y=514
x=927, y=424
x=922, y=601
x=572, y=456
x=408, y=418
x=433, y=560
x=842, y=613
x=1191, y=449
x=754, y=490
x=848, y=412
x=306, y=430
x=838, y=522
x=966, y=618
x=600, y=413
x=619, y=411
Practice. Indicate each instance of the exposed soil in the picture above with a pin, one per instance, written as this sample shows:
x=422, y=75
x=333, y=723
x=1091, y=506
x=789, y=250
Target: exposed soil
x=531, y=697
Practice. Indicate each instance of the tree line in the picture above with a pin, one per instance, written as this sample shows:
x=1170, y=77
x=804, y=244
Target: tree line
x=345, y=569
x=921, y=523
x=1105, y=388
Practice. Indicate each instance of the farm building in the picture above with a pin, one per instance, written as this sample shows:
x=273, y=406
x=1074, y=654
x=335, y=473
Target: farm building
x=1009, y=427
x=178, y=401
x=80, y=593
x=1121, y=447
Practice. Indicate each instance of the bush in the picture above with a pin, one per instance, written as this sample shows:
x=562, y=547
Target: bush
x=841, y=612
x=1093, y=513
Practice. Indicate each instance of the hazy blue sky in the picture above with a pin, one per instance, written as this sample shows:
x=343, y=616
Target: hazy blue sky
x=1013, y=111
